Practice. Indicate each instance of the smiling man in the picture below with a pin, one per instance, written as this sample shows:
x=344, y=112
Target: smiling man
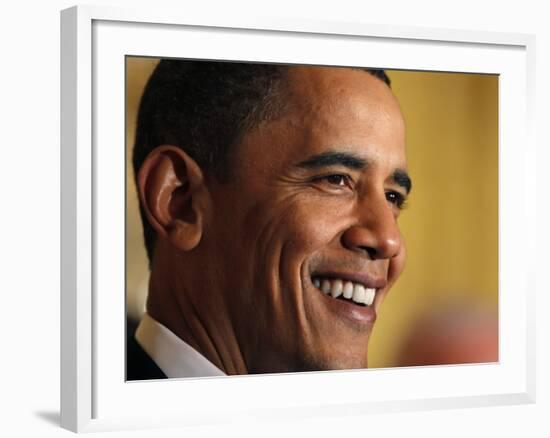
x=270, y=198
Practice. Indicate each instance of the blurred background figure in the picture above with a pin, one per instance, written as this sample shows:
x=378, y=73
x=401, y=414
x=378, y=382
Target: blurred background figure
x=454, y=334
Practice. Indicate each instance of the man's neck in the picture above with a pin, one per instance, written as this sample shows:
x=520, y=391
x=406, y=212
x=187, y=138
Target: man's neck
x=211, y=335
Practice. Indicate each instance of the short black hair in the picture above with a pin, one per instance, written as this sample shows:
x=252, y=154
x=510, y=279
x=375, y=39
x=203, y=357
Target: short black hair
x=204, y=108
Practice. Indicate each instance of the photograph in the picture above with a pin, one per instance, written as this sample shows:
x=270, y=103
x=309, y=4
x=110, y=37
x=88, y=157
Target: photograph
x=291, y=218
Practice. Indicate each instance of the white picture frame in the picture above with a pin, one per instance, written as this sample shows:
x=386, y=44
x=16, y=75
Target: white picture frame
x=94, y=41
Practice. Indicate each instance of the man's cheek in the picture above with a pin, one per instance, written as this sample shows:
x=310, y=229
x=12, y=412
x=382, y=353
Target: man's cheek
x=313, y=229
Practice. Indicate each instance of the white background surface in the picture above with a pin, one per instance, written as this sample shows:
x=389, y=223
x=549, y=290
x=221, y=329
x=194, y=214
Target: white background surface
x=29, y=184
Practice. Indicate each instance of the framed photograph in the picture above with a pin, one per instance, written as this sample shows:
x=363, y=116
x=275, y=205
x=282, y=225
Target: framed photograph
x=457, y=329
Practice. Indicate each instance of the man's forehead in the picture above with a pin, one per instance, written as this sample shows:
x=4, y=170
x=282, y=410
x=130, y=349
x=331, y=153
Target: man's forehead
x=325, y=92
x=333, y=82
x=331, y=109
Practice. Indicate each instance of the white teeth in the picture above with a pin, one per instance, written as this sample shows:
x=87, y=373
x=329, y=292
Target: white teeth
x=337, y=288
x=348, y=290
x=358, y=294
x=351, y=291
x=369, y=296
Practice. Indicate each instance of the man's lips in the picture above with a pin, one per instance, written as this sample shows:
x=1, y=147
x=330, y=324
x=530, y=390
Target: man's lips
x=365, y=279
x=351, y=295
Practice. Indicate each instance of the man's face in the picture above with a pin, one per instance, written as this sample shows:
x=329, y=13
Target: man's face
x=313, y=204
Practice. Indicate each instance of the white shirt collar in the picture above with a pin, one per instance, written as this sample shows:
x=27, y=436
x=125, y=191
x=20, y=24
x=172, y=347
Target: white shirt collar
x=173, y=356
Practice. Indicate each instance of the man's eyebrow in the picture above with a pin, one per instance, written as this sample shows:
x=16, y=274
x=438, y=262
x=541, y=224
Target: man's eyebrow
x=402, y=179
x=332, y=158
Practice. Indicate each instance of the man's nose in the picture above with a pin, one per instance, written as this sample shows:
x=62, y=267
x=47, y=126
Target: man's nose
x=375, y=231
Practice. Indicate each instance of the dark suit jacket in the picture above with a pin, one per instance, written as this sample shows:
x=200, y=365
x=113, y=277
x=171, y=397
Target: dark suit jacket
x=139, y=366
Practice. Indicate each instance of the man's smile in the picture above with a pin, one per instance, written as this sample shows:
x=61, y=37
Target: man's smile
x=347, y=290
x=349, y=295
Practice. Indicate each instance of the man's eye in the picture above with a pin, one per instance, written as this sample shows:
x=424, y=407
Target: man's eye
x=336, y=180
x=396, y=198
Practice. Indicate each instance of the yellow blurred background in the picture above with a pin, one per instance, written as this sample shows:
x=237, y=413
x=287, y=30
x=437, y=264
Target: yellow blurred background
x=450, y=225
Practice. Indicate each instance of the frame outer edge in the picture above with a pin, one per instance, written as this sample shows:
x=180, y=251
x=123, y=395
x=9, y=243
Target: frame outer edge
x=68, y=377
x=75, y=271
x=76, y=337
x=171, y=16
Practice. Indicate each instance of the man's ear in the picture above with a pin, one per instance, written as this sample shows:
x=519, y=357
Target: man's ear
x=173, y=196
